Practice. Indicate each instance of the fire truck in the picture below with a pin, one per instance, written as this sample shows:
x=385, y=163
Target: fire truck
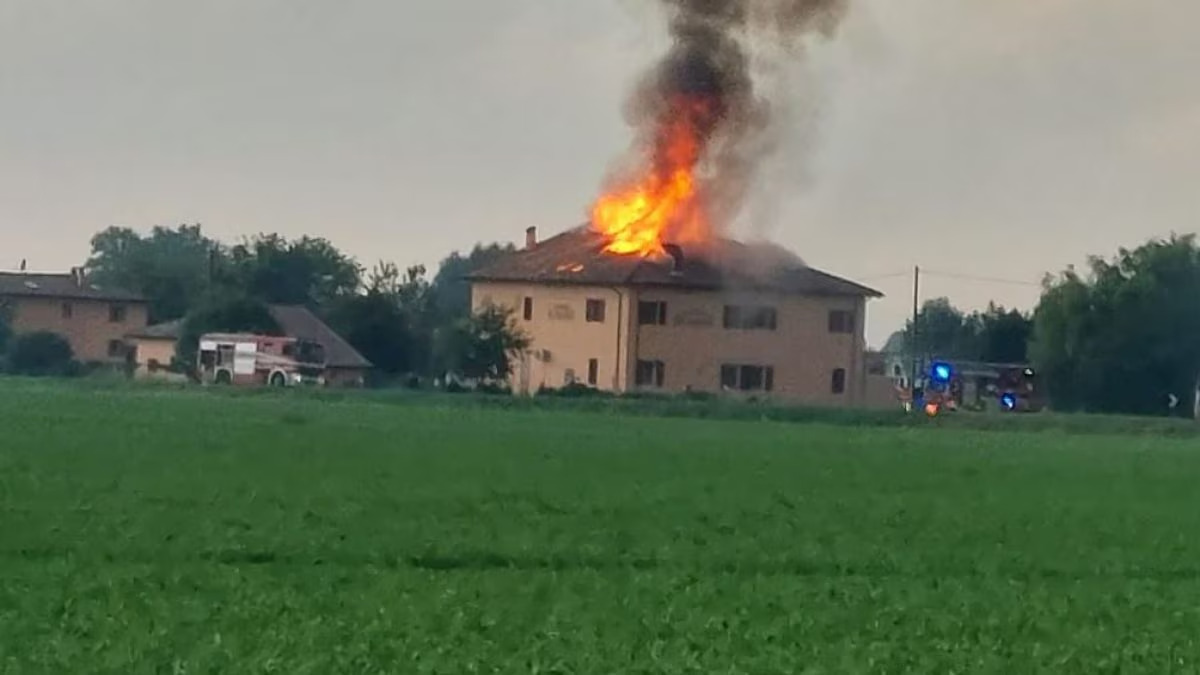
x=246, y=359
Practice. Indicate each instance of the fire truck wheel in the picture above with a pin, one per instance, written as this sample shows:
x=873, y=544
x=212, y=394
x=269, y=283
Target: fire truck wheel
x=278, y=380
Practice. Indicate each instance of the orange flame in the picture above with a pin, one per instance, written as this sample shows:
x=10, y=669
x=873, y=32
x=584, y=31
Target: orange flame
x=663, y=204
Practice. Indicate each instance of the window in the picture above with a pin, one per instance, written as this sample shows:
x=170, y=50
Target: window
x=747, y=378
x=568, y=377
x=841, y=321
x=595, y=311
x=116, y=349
x=649, y=374
x=838, y=381
x=652, y=313
x=593, y=371
x=68, y=310
x=527, y=310
x=116, y=313
x=750, y=318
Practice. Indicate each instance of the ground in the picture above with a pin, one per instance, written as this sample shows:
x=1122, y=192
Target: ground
x=172, y=532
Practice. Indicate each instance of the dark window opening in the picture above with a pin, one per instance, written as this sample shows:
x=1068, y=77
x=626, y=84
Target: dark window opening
x=649, y=373
x=750, y=318
x=116, y=349
x=652, y=313
x=116, y=313
x=68, y=310
x=593, y=371
x=748, y=378
x=838, y=383
x=528, y=309
x=841, y=321
x=595, y=311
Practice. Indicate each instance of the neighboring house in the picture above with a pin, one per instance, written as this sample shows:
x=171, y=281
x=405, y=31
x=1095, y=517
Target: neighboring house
x=94, y=319
x=154, y=348
x=345, y=366
x=729, y=317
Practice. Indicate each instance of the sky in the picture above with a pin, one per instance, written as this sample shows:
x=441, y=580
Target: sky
x=987, y=142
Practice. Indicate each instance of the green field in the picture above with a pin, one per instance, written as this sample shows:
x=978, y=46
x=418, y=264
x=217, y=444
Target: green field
x=173, y=532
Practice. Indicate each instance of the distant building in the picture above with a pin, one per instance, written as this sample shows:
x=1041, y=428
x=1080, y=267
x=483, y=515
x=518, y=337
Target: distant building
x=92, y=318
x=726, y=317
x=154, y=346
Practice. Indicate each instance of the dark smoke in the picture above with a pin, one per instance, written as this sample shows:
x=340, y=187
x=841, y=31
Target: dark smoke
x=707, y=78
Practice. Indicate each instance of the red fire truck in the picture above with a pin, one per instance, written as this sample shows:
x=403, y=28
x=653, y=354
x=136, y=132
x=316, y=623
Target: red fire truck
x=247, y=359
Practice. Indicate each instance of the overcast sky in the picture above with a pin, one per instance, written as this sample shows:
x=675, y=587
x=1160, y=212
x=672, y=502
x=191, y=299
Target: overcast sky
x=973, y=137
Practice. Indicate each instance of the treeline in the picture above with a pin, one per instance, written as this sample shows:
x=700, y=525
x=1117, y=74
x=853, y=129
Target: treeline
x=1120, y=336
x=408, y=324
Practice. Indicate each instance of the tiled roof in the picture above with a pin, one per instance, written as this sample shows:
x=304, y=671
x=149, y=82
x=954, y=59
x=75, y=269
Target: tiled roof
x=294, y=321
x=297, y=321
x=161, y=331
x=577, y=257
x=60, y=286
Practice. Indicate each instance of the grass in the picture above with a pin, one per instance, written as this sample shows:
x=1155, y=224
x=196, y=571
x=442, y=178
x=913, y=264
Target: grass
x=146, y=531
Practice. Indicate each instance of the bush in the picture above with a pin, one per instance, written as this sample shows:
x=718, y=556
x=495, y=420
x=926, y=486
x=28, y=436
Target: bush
x=574, y=390
x=41, y=354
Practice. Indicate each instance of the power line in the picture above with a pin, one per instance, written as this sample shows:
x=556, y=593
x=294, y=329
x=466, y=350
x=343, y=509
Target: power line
x=980, y=279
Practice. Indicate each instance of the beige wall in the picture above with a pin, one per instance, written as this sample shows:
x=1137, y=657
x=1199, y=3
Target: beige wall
x=88, y=327
x=801, y=350
x=692, y=346
x=146, y=350
x=558, y=326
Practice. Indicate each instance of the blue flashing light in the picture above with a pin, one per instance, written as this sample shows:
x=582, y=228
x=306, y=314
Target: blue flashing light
x=1008, y=401
x=942, y=372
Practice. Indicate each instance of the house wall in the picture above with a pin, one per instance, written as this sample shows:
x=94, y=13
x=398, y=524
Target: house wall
x=146, y=350
x=802, y=351
x=692, y=345
x=558, y=326
x=87, y=327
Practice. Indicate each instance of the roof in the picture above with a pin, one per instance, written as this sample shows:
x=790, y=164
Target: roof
x=577, y=257
x=161, y=331
x=294, y=321
x=60, y=286
x=299, y=322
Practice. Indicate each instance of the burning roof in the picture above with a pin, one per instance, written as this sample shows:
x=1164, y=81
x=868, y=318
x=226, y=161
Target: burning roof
x=580, y=256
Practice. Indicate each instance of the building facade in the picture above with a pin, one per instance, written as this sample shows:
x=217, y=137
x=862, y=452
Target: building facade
x=94, y=320
x=683, y=324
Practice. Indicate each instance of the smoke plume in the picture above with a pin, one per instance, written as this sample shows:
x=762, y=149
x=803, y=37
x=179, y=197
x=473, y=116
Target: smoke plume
x=716, y=81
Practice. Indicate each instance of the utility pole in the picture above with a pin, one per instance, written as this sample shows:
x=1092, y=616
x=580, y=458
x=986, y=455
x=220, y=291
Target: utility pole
x=914, y=340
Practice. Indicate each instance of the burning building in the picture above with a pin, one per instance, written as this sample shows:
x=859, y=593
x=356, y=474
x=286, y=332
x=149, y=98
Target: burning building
x=651, y=293
x=715, y=316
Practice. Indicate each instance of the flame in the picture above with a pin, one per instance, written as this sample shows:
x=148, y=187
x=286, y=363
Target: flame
x=663, y=204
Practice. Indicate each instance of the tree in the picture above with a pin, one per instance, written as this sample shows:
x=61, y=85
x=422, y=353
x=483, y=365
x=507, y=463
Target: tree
x=483, y=345
x=1122, y=338
x=308, y=271
x=170, y=267
x=1003, y=335
x=40, y=354
x=995, y=335
x=5, y=325
x=234, y=314
x=451, y=289
x=941, y=331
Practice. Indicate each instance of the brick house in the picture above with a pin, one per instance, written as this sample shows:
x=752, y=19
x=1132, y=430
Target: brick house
x=93, y=319
x=728, y=317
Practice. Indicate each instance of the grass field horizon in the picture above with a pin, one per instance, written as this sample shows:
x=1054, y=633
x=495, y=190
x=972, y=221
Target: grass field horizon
x=157, y=531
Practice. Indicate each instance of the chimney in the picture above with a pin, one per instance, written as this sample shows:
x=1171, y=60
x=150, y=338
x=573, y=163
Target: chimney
x=530, y=238
x=77, y=276
x=676, y=254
